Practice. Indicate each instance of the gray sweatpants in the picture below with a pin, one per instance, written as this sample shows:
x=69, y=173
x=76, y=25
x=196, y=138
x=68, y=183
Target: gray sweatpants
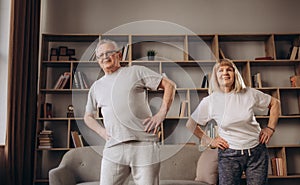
x=140, y=159
x=253, y=161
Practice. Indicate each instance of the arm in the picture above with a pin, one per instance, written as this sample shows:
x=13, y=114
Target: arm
x=267, y=132
x=92, y=123
x=155, y=121
x=208, y=141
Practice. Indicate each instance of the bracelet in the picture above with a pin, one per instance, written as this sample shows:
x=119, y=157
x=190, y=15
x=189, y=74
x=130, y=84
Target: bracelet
x=209, y=145
x=271, y=128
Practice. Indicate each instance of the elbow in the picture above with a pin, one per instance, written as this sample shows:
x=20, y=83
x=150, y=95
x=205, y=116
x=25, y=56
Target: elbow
x=167, y=83
x=86, y=118
x=190, y=125
x=275, y=106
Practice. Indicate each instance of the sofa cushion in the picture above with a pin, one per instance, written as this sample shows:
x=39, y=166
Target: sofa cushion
x=162, y=182
x=181, y=182
x=207, y=167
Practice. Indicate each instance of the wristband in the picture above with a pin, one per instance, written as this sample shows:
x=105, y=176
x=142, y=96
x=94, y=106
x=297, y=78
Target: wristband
x=210, y=146
x=271, y=129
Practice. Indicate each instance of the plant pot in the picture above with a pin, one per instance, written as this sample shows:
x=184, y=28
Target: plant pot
x=151, y=57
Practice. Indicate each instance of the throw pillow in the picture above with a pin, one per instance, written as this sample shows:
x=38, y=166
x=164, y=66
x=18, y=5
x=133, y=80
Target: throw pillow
x=207, y=166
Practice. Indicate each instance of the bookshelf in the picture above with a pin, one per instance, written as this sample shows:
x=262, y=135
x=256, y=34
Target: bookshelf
x=185, y=59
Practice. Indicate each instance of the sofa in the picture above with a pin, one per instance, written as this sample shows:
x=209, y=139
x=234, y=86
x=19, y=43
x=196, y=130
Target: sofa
x=179, y=165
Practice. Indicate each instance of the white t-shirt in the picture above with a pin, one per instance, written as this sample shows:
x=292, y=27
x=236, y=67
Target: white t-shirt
x=234, y=114
x=124, y=104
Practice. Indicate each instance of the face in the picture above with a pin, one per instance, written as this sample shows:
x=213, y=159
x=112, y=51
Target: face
x=109, y=58
x=225, y=75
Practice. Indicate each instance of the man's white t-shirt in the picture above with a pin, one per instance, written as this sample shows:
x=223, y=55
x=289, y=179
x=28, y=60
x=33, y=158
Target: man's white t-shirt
x=234, y=114
x=124, y=104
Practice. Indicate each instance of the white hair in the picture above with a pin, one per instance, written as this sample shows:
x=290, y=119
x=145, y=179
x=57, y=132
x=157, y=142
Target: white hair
x=105, y=41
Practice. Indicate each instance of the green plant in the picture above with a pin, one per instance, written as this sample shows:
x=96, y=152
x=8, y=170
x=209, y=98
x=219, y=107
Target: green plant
x=151, y=52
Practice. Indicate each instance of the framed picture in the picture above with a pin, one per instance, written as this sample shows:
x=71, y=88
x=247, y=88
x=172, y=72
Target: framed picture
x=63, y=50
x=54, y=52
x=71, y=52
x=53, y=58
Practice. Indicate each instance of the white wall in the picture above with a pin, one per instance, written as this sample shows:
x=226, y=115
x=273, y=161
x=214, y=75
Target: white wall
x=4, y=38
x=199, y=16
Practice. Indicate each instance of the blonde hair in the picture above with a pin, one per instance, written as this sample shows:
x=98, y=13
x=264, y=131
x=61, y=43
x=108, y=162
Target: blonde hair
x=238, y=84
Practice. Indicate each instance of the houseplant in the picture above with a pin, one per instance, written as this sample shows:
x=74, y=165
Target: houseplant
x=151, y=54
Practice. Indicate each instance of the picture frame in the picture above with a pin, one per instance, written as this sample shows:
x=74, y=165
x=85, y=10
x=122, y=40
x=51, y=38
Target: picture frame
x=63, y=50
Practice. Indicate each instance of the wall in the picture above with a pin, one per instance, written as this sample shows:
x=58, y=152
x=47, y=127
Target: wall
x=199, y=16
x=4, y=38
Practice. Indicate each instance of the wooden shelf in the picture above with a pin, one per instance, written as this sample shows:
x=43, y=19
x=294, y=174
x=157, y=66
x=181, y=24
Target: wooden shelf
x=185, y=59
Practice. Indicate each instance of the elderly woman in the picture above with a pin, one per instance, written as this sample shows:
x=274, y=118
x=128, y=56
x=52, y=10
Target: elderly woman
x=241, y=142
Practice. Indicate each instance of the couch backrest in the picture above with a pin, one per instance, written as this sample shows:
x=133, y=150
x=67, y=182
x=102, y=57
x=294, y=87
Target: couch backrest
x=84, y=162
x=178, y=162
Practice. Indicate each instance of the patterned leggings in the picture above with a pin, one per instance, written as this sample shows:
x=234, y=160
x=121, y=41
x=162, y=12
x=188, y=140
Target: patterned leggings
x=254, y=162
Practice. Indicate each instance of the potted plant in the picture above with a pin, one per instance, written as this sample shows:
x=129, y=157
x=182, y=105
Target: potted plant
x=151, y=54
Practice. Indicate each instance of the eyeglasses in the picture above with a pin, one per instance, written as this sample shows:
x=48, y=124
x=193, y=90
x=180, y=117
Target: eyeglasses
x=107, y=54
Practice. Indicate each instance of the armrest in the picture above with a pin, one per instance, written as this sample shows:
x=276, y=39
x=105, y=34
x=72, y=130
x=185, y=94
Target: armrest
x=61, y=176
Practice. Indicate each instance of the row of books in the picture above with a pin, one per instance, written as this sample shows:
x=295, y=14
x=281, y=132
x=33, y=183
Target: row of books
x=62, y=81
x=295, y=53
x=80, y=81
x=45, y=139
x=277, y=166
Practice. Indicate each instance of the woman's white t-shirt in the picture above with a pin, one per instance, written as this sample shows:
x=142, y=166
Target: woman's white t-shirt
x=234, y=114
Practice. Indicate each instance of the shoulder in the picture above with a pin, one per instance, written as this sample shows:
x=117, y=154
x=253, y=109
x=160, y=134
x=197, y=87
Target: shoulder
x=253, y=91
x=96, y=83
x=137, y=68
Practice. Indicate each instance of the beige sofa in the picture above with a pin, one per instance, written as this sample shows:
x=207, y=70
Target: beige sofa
x=81, y=166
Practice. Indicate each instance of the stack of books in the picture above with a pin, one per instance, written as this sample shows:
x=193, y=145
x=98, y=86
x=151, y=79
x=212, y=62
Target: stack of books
x=46, y=139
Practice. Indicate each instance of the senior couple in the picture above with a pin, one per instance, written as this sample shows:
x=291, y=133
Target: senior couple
x=130, y=129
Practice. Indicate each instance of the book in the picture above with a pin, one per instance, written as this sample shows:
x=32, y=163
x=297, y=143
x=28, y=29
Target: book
x=273, y=166
x=125, y=52
x=205, y=81
x=76, y=139
x=66, y=78
x=59, y=81
x=76, y=84
x=62, y=80
x=85, y=81
x=183, y=109
x=256, y=80
x=46, y=110
x=277, y=166
x=80, y=80
x=264, y=58
x=80, y=140
x=294, y=53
